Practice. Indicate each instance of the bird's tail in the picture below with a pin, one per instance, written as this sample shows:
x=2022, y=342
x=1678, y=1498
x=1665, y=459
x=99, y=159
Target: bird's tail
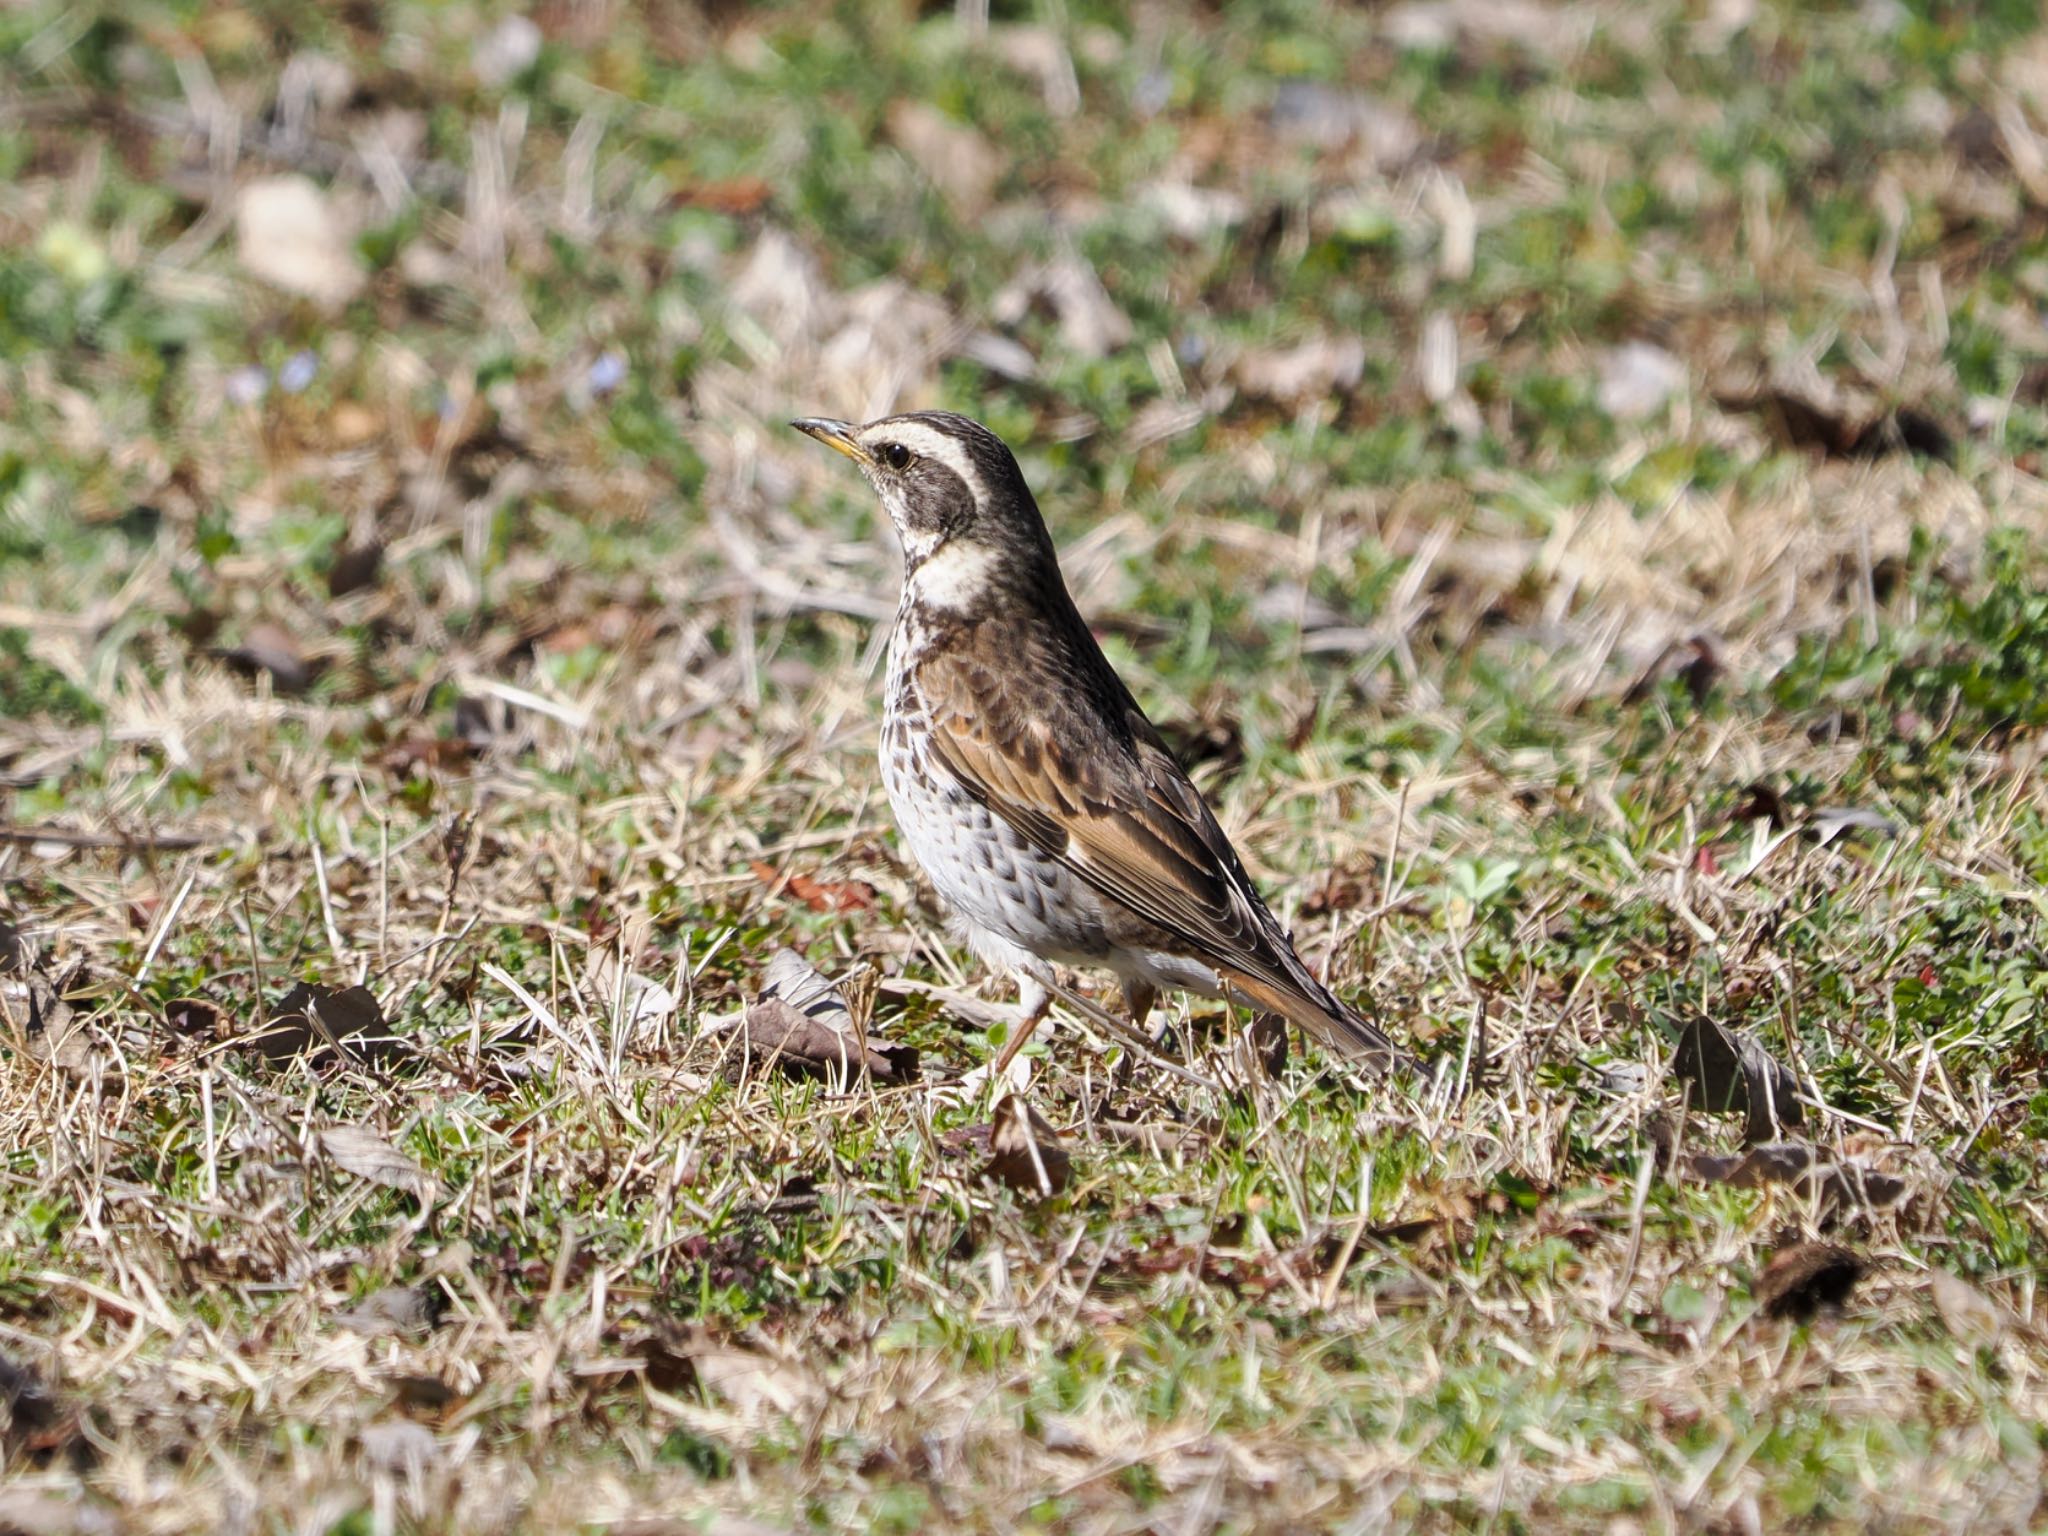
x=1338, y=1028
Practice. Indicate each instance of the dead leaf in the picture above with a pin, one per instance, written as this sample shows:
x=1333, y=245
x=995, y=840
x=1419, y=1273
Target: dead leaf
x=418, y=1392
x=804, y=987
x=1805, y=1277
x=197, y=1018
x=1025, y=1151
x=818, y=895
x=314, y=1021
x=737, y=197
x=1736, y=1075
x=1973, y=1318
x=802, y=1046
x=953, y=156
x=268, y=647
x=1314, y=370
x=55, y=1035
x=288, y=235
x=1764, y=804
x=369, y=1156
x=14, y=950
x=806, y=1024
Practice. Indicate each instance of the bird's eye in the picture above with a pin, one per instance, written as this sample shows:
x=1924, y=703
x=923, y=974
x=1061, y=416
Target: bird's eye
x=895, y=455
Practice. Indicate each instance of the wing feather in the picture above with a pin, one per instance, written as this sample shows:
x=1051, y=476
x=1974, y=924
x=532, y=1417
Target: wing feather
x=1117, y=809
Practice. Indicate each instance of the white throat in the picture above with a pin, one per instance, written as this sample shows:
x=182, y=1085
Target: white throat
x=953, y=576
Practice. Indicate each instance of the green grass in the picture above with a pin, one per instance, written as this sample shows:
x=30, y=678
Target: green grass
x=1433, y=658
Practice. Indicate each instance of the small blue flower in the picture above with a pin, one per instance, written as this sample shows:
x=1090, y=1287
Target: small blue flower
x=607, y=373
x=247, y=385
x=297, y=372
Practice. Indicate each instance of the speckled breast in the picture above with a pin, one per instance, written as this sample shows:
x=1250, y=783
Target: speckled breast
x=982, y=869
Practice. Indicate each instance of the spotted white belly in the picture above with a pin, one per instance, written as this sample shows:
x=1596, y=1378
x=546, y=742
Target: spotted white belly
x=1016, y=903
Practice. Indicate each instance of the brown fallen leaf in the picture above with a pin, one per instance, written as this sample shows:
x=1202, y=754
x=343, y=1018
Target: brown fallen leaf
x=14, y=950
x=804, y=1024
x=52, y=1030
x=369, y=1156
x=1763, y=803
x=198, y=1018
x=818, y=895
x=1805, y=1277
x=316, y=1021
x=802, y=1046
x=1734, y=1074
x=1025, y=1151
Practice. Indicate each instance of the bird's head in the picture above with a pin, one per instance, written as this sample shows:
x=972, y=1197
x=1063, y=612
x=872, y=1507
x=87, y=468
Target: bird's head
x=962, y=511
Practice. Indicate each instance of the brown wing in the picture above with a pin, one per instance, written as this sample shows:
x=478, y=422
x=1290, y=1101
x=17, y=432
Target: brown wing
x=1054, y=744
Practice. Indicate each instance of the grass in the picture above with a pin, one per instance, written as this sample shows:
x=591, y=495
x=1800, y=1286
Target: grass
x=1553, y=709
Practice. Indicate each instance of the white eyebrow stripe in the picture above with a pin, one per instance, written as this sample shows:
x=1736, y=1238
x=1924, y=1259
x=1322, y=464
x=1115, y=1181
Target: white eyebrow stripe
x=930, y=443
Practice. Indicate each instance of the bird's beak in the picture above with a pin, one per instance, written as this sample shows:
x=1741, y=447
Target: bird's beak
x=833, y=434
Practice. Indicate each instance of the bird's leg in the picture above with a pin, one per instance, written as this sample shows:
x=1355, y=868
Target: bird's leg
x=1034, y=999
x=1139, y=996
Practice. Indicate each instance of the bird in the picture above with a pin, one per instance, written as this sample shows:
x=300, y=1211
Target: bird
x=1049, y=814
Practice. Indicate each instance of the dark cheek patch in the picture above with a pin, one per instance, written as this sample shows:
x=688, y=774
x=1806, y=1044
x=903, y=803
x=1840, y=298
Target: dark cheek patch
x=935, y=500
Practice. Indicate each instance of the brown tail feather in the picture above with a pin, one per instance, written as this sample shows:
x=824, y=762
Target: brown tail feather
x=1337, y=1027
